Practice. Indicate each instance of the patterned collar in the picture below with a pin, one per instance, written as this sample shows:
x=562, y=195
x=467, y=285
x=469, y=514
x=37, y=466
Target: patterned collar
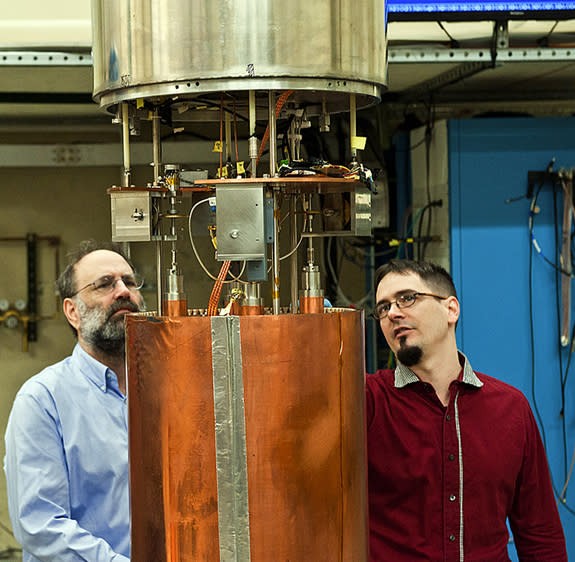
x=405, y=376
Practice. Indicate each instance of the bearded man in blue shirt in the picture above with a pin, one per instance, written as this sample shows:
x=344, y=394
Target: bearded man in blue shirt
x=66, y=458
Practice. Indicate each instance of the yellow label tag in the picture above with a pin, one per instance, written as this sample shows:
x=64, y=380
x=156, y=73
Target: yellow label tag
x=223, y=172
x=240, y=167
x=358, y=143
x=217, y=146
x=140, y=103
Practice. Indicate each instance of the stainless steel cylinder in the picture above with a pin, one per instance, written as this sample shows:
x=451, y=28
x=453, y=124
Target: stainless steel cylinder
x=185, y=48
x=301, y=450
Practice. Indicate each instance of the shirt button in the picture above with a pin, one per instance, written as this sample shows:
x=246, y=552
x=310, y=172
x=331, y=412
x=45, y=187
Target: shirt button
x=448, y=417
x=451, y=538
x=452, y=498
x=103, y=387
x=451, y=457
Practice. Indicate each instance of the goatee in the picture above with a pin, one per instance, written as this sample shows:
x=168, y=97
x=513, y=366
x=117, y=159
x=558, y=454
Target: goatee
x=409, y=355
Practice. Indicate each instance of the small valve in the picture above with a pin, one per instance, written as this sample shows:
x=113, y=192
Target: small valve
x=11, y=320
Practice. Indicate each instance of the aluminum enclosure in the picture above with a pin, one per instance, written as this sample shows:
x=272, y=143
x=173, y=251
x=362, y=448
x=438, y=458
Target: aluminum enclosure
x=185, y=48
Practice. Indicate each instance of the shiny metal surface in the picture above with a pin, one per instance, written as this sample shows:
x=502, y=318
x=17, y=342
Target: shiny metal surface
x=311, y=305
x=305, y=437
x=148, y=48
x=231, y=456
x=175, y=308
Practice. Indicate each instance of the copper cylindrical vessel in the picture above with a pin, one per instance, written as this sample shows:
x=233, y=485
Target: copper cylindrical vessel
x=175, y=307
x=251, y=310
x=303, y=390
x=311, y=305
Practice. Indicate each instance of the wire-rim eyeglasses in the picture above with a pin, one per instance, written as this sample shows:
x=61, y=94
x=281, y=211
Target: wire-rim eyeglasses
x=382, y=309
x=107, y=283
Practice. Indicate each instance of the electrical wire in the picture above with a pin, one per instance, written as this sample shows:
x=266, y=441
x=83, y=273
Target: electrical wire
x=563, y=493
x=558, y=316
x=454, y=42
x=217, y=288
x=364, y=253
x=294, y=249
x=346, y=301
x=279, y=104
x=428, y=139
x=532, y=246
x=534, y=241
x=402, y=242
x=194, y=207
x=195, y=250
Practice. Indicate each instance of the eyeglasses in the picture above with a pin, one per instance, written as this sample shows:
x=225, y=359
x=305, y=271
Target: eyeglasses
x=107, y=284
x=404, y=301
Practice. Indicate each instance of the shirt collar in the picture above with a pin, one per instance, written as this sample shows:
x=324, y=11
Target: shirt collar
x=93, y=370
x=405, y=376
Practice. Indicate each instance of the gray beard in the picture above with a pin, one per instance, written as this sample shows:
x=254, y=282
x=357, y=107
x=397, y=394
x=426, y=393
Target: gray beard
x=101, y=331
x=409, y=355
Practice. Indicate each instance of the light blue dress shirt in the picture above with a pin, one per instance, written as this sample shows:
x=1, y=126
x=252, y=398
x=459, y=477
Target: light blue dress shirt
x=66, y=464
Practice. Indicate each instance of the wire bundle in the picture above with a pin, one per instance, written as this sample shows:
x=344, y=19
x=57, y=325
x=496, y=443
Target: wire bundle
x=217, y=289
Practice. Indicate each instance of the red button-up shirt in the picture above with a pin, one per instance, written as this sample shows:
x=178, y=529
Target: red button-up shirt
x=444, y=480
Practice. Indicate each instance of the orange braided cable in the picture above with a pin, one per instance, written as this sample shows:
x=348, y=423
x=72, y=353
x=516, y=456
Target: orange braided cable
x=279, y=104
x=217, y=289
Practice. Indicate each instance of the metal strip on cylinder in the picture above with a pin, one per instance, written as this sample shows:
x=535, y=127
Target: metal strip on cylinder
x=231, y=455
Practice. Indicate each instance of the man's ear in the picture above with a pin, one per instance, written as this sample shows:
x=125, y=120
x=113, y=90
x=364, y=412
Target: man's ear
x=71, y=311
x=452, y=310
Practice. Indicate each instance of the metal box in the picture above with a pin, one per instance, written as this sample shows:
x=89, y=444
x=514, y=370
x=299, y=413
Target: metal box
x=131, y=216
x=240, y=212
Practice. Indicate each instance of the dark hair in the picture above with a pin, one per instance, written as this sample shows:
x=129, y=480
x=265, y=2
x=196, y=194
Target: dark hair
x=66, y=283
x=433, y=274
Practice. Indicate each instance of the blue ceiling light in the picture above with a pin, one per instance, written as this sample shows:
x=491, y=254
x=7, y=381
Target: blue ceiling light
x=461, y=9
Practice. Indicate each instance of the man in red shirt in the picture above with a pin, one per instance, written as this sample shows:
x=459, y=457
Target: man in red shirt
x=453, y=454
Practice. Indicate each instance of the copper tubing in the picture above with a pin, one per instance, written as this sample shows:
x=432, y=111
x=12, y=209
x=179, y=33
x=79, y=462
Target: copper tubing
x=311, y=305
x=303, y=380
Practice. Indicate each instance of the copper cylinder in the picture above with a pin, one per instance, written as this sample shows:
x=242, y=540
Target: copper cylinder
x=175, y=308
x=311, y=305
x=303, y=381
x=251, y=310
x=235, y=308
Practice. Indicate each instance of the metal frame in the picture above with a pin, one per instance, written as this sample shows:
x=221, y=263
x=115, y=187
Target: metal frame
x=395, y=54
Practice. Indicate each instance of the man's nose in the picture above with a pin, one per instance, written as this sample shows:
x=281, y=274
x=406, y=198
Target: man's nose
x=120, y=289
x=394, y=310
